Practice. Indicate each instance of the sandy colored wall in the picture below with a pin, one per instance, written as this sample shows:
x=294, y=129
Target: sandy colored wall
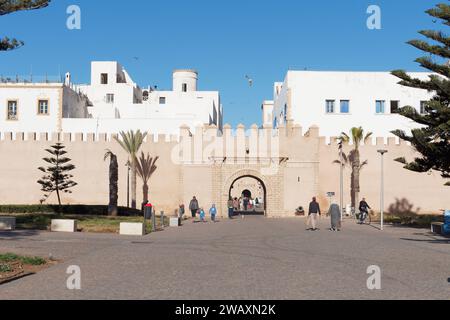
x=422, y=193
x=19, y=161
x=297, y=167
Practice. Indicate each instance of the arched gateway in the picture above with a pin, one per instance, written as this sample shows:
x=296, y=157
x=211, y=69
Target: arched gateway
x=272, y=190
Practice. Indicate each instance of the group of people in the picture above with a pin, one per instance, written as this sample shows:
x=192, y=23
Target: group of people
x=196, y=210
x=335, y=214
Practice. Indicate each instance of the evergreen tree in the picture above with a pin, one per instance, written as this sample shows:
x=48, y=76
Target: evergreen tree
x=57, y=178
x=432, y=140
x=10, y=6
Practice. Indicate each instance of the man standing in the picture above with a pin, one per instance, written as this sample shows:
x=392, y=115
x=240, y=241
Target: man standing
x=193, y=206
x=364, y=210
x=314, y=212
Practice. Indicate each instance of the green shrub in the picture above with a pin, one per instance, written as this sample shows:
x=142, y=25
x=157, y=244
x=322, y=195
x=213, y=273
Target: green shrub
x=4, y=268
x=67, y=209
x=32, y=261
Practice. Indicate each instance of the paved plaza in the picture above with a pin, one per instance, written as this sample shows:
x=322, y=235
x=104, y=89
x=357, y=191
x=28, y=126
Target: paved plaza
x=254, y=258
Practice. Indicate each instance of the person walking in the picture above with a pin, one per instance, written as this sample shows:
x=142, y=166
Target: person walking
x=363, y=210
x=335, y=213
x=202, y=215
x=181, y=211
x=230, y=208
x=193, y=206
x=236, y=204
x=246, y=202
x=314, y=212
x=213, y=213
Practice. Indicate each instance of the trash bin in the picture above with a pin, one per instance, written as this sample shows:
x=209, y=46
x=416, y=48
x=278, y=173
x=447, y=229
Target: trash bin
x=148, y=211
x=446, y=226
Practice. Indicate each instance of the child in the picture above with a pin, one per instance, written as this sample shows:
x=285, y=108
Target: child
x=202, y=215
x=213, y=212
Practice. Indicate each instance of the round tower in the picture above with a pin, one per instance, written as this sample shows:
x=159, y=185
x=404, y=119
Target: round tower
x=185, y=80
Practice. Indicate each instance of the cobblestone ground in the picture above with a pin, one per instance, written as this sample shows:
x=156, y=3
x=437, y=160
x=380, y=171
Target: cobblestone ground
x=254, y=258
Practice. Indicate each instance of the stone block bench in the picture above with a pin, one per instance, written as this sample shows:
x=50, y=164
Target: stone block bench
x=7, y=223
x=132, y=229
x=63, y=225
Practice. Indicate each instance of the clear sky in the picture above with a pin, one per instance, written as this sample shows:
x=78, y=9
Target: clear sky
x=223, y=40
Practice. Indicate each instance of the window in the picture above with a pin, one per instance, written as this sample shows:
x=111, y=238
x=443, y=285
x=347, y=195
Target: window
x=104, y=78
x=423, y=107
x=380, y=106
x=345, y=106
x=395, y=106
x=184, y=87
x=330, y=106
x=12, y=110
x=162, y=100
x=43, y=107
x=109, y=98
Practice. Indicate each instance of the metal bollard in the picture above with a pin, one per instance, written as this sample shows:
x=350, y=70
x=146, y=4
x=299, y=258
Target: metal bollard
x=154, y=221
x=162, y=220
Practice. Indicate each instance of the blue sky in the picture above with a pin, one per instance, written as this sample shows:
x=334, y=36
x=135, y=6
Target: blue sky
x=223, y=40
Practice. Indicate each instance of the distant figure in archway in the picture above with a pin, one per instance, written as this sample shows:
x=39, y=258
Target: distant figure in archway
x=230, y=208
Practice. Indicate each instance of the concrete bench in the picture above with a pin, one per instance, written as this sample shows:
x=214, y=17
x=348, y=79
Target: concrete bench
x=7, y=223
x=175, y=222
x=132, y=229
x=63, y=225
x=437, y=227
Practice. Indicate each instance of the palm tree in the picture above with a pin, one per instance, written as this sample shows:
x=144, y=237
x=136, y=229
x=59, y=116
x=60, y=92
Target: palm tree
x=113, y=183
x=353, y=160
x=131, y=142
x=146, y=166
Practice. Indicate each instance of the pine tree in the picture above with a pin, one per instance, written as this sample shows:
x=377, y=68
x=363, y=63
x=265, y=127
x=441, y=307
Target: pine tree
x=57, y=178
x=432, y=140
x=10, y=6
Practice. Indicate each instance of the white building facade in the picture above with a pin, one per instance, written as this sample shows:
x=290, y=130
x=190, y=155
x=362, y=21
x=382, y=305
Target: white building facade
x=39, y=107
x=338, y=101
x=111, y=103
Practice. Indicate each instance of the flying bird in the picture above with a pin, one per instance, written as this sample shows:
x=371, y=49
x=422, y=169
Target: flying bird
x=250, y=80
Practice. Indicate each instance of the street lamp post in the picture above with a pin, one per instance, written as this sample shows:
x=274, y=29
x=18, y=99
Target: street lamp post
x=341, y=193
x=128, y=165
x=382, y=153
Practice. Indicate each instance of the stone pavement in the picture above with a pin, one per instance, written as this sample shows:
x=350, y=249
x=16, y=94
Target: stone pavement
x=254, y=258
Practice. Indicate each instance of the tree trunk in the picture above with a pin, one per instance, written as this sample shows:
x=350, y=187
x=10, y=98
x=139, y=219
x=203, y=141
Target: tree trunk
x=133, y=185
x=113, y=186
x=145, y=192
x=357, y=187
x=59, y=201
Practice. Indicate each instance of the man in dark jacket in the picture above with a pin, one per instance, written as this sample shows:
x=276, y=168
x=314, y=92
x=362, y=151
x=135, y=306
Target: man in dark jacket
x=193, y=206
x=314, y=212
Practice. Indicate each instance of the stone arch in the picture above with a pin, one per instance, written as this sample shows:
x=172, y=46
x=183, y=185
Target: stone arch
x=265, y=181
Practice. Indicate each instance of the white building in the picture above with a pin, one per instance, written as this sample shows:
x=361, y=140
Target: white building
x=111, y=103
x=338, y=101
x=38, y=107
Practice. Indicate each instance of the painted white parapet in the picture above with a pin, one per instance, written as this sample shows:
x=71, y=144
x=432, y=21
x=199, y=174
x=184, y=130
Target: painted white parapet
x=132, y=229
x=61, y=225
x=7, y=223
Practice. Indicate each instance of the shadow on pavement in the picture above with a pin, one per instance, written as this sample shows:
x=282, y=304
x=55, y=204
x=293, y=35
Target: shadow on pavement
x=18, y=234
